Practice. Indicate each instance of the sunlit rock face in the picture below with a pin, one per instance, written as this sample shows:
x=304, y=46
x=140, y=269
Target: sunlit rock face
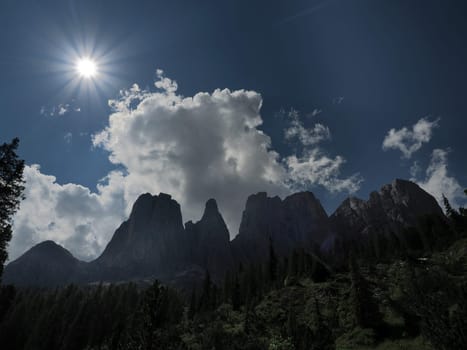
x=209, y=242
x=298, y=221
x=150, y=242
x=387, y=212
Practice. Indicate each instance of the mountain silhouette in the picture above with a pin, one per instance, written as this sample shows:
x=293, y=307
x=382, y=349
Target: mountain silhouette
x=154, y=244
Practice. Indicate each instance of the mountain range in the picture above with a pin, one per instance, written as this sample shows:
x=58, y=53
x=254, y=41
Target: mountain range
x=155, y=244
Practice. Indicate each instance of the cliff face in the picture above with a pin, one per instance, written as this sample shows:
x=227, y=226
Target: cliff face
x=299, y=221
x=150, y=242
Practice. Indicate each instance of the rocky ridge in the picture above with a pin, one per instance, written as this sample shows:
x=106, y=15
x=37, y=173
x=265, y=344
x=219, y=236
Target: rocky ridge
x=154, y=243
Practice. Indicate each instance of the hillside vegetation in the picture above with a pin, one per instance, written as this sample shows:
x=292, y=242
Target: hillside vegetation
x=411, y=297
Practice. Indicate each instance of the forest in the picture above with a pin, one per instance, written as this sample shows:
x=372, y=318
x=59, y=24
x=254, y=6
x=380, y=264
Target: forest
x=410, y=297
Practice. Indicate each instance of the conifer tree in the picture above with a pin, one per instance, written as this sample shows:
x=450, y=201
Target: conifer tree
x=272, y=263
x=250, y=319
x=365, y=309
x=11, y=191
x=323, y=338
x=462, y=210
x=458, y=218
x=206, y=295
x=292, y=325
x=193, y=303
x=450, y=211
x=293, y=264
x=236, y=298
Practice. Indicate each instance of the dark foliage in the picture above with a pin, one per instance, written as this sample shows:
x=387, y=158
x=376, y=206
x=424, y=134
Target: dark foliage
x=68, y=318
x=11, y=189
x=365, y=309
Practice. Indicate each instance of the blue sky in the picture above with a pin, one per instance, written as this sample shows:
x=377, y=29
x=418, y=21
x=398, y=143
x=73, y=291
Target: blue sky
x=355, y=68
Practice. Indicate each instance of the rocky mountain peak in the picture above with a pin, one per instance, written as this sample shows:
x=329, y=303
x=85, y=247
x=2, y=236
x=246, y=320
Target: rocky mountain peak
x=210, y=241
x=151, y=240
x=389, y=210
x=307, y=203
x=212, y=225
x=297, y=221
x=306, y=217
x=210, y=209
x=262, y=215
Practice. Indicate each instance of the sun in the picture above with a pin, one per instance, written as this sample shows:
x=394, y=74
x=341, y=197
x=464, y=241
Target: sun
x=86, y=68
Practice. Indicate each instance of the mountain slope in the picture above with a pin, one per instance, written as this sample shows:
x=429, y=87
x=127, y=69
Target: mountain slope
x=46, y=264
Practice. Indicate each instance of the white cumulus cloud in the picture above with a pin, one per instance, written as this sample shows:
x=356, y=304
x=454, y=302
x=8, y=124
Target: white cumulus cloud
x=409, y=141
x=209, y=145
x=439, y=182
x=69, y=214
x=194, y=148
